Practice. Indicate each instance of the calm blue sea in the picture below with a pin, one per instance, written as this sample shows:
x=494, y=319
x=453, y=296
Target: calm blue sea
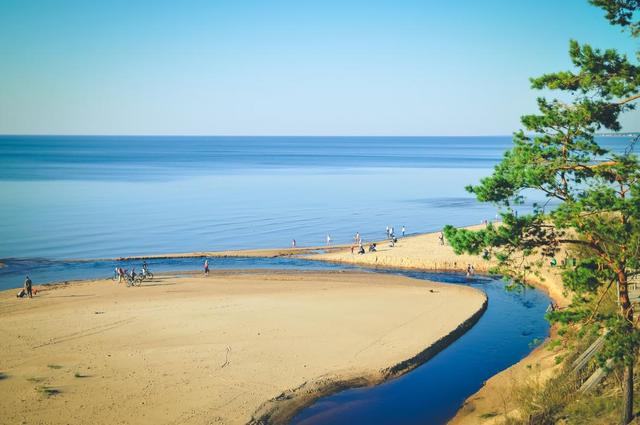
x=95, y=197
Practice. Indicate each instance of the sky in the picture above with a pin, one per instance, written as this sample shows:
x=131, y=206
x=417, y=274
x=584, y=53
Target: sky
x=328, y=67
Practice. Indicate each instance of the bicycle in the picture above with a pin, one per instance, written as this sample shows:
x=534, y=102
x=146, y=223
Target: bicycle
x=137, y=279
x=145, y=275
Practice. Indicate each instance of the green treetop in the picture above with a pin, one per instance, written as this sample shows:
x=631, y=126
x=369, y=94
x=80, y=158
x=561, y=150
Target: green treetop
x=596, y=193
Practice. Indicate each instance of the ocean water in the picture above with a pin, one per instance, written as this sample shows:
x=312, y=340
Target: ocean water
x=103, y=197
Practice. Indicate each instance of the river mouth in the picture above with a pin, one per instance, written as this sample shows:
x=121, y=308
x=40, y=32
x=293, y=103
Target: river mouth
x=510, y=328
x=512, y=325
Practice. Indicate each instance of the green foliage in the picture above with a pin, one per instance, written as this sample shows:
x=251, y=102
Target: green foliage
x=558, y=401
x=621, y=12
x=596, y=214
x=622, y=341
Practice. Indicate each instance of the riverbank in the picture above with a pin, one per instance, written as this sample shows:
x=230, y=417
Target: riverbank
x=495, y=400
x=201, y=350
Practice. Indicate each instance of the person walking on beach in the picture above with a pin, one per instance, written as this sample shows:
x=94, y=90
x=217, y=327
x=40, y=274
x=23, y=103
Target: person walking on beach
x=441, y=238
x=28, y=287
x=206, y=267
x=403, y=229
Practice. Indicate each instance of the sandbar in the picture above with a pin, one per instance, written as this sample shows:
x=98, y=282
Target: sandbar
x=233, y=347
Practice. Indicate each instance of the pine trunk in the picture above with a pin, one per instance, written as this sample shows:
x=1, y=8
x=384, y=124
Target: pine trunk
x=627, y=384
x=627, y=409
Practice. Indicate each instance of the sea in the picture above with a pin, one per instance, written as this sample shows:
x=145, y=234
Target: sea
x=90, y=197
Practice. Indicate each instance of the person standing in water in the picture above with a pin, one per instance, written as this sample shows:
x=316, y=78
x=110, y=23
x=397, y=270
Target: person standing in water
x=328, y=239
x=470, y=270
x=403, y=229
x=206, y=267
x=293, y=243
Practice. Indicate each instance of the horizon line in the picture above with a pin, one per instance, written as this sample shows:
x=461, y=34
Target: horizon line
x=622, y=133
x=242, y=135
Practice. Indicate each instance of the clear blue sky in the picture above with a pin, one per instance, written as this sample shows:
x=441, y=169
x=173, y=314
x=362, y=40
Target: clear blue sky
x=341, y=67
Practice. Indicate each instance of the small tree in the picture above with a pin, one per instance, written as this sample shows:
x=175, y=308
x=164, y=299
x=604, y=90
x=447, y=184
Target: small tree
x=597, y=194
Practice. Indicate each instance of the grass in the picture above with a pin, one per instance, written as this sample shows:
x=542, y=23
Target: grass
x=599, y=407
x=54, y=366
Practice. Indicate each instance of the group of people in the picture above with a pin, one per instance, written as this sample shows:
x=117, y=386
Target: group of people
x=125, y=275
x=392, y=236
x=358, y=239
x=357, y=242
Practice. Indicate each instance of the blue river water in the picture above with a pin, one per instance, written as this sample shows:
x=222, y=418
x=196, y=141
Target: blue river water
x=510, y=328
x=42, y=271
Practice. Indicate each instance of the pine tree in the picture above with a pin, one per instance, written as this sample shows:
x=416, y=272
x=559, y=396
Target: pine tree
x=596, y=193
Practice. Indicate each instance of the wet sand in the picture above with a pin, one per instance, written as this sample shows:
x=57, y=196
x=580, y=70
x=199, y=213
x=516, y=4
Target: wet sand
x=228, y=348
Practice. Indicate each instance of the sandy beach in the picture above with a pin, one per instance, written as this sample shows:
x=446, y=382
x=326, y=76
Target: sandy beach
x=495, y=400
x=425, y=252
x=222, y=349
